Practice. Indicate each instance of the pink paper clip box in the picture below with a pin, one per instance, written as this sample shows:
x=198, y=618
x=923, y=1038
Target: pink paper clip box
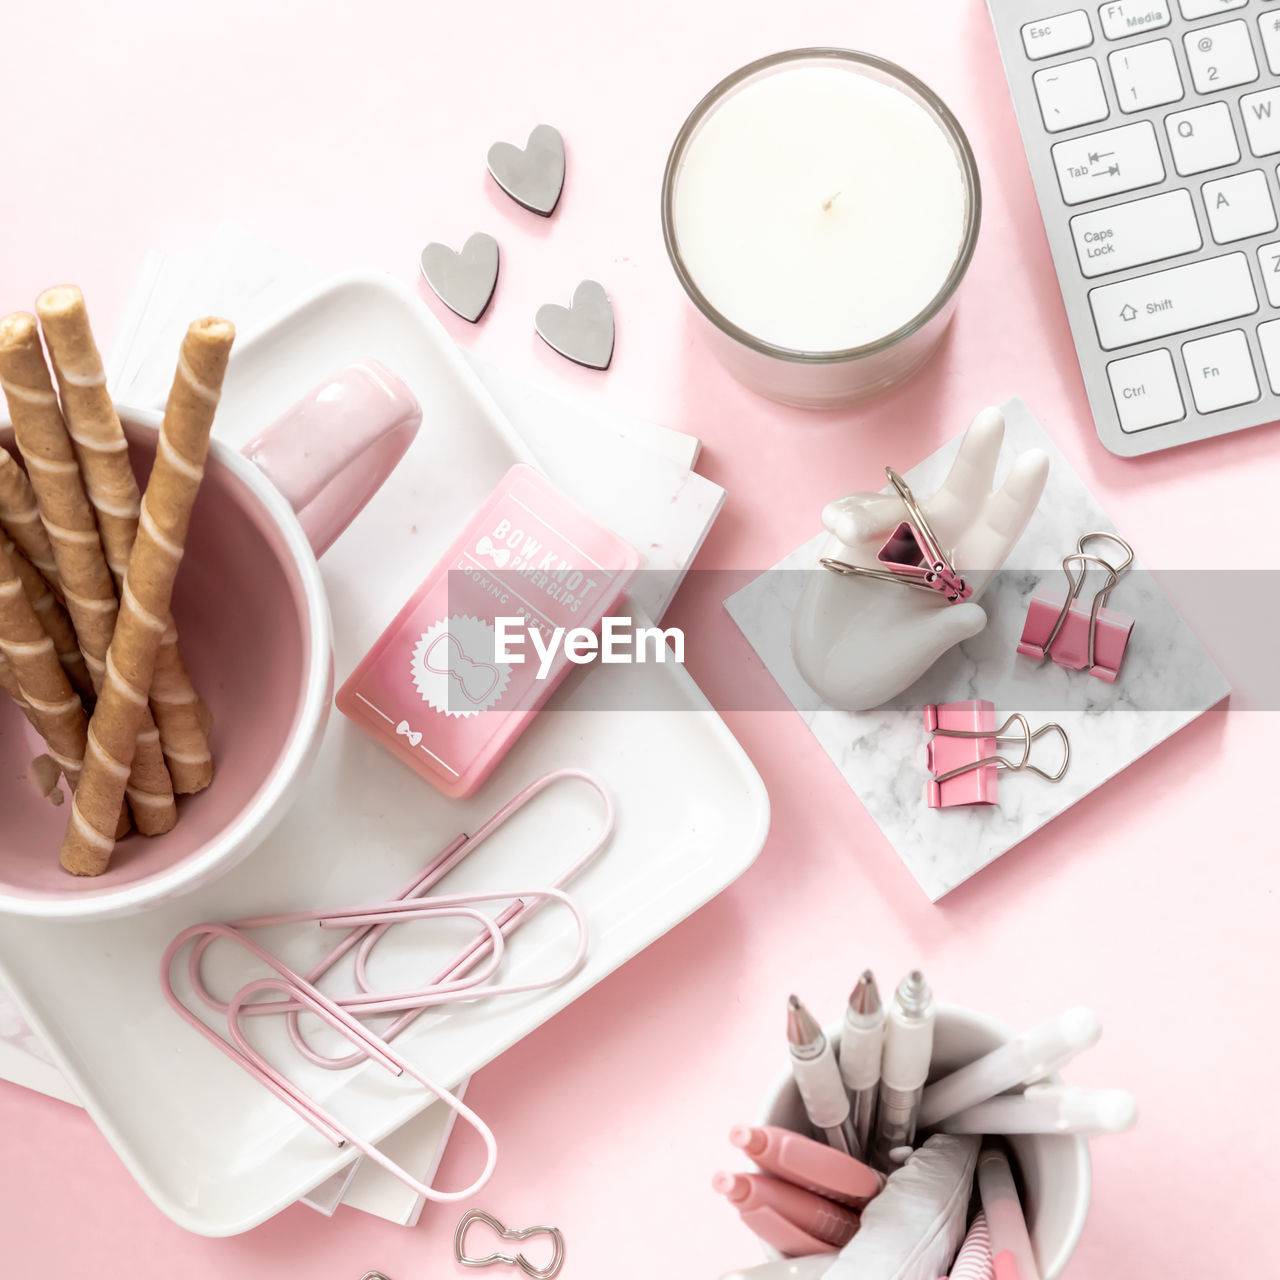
x=438, y=689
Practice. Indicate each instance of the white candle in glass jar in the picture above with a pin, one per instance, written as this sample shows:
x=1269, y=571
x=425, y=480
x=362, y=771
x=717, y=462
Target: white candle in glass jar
x=819, y=205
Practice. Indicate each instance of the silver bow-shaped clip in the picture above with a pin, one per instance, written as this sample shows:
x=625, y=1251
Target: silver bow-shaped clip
x=511, y=1260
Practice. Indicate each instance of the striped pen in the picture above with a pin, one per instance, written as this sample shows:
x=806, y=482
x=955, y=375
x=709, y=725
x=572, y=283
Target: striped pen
x=974, y=1261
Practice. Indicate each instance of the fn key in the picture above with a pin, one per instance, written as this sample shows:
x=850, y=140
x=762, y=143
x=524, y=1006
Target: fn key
x=1145, y=389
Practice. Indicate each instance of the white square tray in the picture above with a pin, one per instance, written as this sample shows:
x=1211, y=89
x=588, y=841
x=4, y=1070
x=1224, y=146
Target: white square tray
x=216, y=1152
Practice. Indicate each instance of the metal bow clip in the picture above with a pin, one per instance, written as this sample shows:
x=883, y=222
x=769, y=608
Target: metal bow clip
x=511, y=1260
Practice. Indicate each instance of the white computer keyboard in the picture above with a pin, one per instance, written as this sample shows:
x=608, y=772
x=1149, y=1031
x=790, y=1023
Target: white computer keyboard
x=1152, y=128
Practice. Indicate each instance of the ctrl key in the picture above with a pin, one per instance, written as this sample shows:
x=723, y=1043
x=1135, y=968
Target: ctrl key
x=1146, y=390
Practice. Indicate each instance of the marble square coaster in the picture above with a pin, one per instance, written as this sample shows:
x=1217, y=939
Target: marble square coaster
x=1167, y=681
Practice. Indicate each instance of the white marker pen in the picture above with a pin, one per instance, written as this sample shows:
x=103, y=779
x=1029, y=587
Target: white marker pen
x=1027, y=1057
x=861, y=1045
x=1049, y=1108
x=813, y=1064
x=904, y=1066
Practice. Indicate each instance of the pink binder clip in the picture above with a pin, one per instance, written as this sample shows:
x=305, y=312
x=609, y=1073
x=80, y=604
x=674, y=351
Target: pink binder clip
x=465, y=977
x=1075, y=637
x=912, y=556
x=963, y=752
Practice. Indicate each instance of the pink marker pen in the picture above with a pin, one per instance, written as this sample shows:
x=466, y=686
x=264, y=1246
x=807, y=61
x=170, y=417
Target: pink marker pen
x=484, y=641
x=809, y=1164
x=1010, y=1244
x=794, y=1221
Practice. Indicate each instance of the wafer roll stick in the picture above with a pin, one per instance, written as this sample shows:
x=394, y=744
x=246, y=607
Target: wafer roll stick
x=53, y=617
x=86, y=581
x=100, y=446
x=20, y=518
x=43, y=690
x=181, y=450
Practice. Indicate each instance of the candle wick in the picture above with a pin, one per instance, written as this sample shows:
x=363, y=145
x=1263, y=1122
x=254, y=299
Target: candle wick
x=829, y=201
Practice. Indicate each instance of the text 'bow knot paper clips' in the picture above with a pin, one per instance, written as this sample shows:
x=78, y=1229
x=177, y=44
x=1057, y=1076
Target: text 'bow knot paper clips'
x=1092, y=638
x=963, y=752
x=470, y=975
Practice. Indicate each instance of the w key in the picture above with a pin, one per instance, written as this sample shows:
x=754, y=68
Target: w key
x=1261, y=113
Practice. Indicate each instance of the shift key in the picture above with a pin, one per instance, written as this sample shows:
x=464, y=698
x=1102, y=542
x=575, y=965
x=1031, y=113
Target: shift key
x=1172, y=301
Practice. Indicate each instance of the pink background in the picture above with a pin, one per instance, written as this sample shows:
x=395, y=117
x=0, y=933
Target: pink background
x=355, y=134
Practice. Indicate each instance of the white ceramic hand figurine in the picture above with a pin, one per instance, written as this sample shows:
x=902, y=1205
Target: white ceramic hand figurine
x=859, y=642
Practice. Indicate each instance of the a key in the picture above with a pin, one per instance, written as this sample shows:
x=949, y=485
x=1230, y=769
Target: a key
x=1133, y=234
x=1129, y=17
x=1220, y=371
x=1047, y=37
x=1220, y=57
x=1201, y=139
x=1269, y=265
x=1269, y=30
x=1172, y=301
x=1107, y=163
x=1146, y=75
x=1261, y=112
x=1239, y=206
x=1269, y=341
x=1206, y=8
x=1145, y=389
x=1070, y=95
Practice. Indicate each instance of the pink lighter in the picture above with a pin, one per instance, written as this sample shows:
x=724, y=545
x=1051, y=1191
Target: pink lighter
x=439, y=689
x=794, y=1221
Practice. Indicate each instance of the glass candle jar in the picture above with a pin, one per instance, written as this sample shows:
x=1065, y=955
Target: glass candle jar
x=820, y=207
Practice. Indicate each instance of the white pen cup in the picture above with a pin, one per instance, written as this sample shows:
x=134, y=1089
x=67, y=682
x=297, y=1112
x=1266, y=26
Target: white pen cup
x=1054, y=1170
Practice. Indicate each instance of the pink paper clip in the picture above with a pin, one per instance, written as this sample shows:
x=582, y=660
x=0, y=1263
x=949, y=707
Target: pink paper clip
x=1060, y=627
x=465, y=977
x=912, y=556
x=963, y=752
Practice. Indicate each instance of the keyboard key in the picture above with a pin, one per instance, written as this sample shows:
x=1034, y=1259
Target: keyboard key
x=1133, y=234
x=1201, y=139
x=1269, y=28
x=1269, y=341
x=1220, y=371
x=1207, y=8
x=1146, y=391
x=1261, y=112
x=1239, y=206
x=1269, y=263
x=1108, y=163
x=1146, y=75
x=1070, y=95
x=1220, y=57
x=1049, y=36
x=1172, y=301
x=1128, y=17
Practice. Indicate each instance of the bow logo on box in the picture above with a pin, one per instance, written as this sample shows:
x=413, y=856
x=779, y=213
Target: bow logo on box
x=448, y=676
x=445, y=656
x=499, y=555
x=403, y=730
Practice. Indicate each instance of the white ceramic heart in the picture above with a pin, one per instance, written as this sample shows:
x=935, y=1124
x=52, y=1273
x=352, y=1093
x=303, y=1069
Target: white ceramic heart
x=463, y=280
x=583, y=331
x=532, y=176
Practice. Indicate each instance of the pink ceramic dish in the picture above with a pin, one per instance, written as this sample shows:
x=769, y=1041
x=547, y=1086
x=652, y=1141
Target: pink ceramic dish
x=254, y=626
